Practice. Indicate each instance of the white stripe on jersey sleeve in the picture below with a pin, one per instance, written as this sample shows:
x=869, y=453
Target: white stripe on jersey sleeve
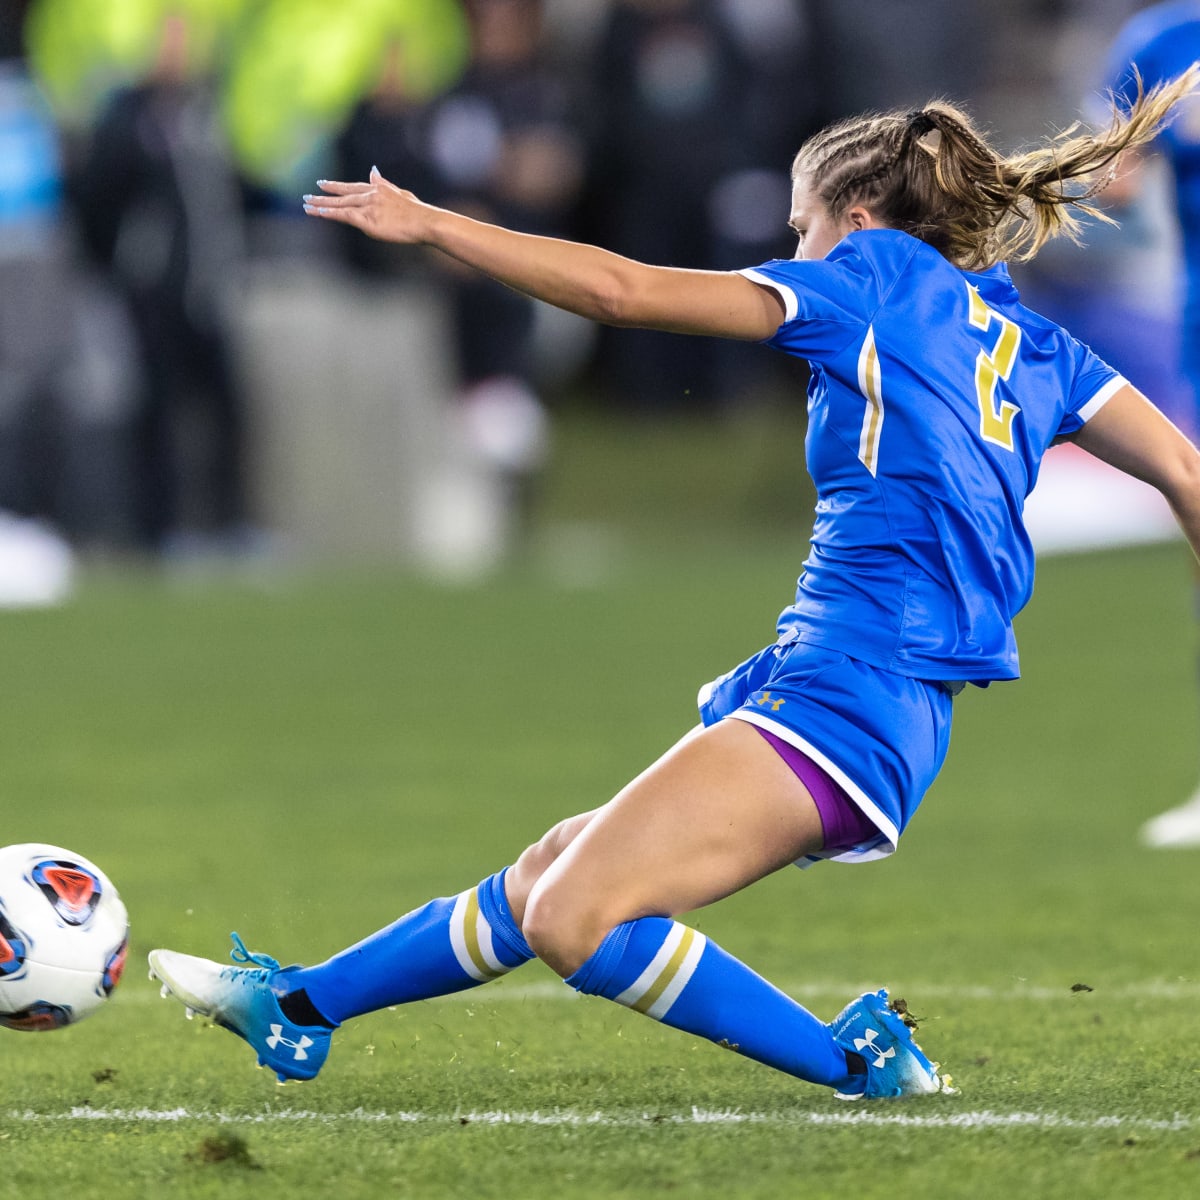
x=1101, y=398
x=791, y=306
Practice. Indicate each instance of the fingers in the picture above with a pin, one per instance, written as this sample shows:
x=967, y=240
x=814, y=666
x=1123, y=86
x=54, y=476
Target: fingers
x=336, y=188
x=350, y=200
x=359, y=204
x=329, y=209
x=341, y=195
x=346, y=206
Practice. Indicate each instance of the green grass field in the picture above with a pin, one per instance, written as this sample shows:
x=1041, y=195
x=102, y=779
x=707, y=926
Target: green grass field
x=305, y=760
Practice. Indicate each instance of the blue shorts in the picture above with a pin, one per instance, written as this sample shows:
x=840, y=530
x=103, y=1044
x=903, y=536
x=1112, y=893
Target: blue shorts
x=882, y=736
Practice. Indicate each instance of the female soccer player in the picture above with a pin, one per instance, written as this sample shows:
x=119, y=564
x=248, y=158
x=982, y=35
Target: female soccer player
x=934, y=396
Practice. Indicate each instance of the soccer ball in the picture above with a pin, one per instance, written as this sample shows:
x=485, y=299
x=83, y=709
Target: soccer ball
x=63, y=937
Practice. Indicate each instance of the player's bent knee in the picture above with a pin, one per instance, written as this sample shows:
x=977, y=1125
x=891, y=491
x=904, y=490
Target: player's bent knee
x=521, y=877
x=534, y=861
x=562, y=936
x=524, y=874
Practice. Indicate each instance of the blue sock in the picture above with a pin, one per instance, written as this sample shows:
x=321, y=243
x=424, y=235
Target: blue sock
x=449, y=944
x=677, y=976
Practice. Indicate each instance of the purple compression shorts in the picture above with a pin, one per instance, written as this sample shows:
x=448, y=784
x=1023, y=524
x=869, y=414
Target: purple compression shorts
x=844, y=823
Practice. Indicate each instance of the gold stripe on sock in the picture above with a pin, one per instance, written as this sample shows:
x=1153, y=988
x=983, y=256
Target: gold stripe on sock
x=646, y=1001
x=471, y=937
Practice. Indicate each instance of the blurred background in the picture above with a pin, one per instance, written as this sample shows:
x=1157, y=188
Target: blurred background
x=195, y=377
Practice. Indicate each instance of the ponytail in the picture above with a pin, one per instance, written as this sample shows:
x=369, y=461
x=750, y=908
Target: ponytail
x=931, y=173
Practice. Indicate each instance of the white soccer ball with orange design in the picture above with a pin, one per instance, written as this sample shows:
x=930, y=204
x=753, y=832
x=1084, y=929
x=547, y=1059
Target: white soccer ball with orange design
x=64, y=934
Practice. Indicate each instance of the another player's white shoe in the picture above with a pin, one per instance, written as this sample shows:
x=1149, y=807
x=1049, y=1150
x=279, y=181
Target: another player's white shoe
x=1177, y=827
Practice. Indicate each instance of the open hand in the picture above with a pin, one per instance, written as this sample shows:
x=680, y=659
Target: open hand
x=379, y=208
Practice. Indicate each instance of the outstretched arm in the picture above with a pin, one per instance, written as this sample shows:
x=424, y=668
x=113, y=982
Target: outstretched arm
x=1132, y=435
x=583, y=279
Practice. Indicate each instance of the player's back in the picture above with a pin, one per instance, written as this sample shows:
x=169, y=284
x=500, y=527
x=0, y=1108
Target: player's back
x=934, y=395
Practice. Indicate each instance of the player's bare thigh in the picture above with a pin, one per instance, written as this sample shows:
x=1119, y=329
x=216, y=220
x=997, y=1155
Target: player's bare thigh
x=718, y=811
x=532, y=864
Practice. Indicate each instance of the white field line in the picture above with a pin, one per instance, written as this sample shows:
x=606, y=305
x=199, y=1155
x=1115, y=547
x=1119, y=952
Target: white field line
x=986, y=1119
x=1149, y=989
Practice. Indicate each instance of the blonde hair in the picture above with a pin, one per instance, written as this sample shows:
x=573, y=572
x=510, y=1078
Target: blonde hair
x=932, y=174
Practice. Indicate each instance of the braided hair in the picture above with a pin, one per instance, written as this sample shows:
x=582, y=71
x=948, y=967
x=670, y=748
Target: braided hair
x=932, y=174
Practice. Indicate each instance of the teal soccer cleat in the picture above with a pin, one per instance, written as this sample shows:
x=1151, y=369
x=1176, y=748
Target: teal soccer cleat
x=245, y=1000
x=880, y=1031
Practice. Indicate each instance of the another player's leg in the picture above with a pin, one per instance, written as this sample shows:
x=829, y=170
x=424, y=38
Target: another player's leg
x=717, y=813
x=287, y=1014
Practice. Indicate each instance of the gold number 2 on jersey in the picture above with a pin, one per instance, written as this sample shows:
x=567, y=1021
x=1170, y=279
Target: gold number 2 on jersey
x=995, y=421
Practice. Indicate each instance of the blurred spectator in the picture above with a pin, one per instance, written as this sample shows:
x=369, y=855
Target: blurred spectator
x=506, y=149
x=33, y=284
x=159, y=208
x=35, y=335
x=12, y=25
x=698, y=106
x=295, y=69
x=501, y=145
x=879, y=55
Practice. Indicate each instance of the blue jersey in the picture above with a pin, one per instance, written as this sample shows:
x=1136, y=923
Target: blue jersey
x=1161, y=42
x=934, y=395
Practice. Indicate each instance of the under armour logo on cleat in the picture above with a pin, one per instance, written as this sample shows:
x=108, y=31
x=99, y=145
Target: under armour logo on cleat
x=300, y=1047
x=868, y=1043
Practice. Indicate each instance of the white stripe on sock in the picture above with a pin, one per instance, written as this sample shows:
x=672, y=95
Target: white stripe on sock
x=471, y=938
x=667, y=974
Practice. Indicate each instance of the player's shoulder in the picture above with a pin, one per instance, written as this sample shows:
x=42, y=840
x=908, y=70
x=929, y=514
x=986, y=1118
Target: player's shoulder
x=877, y=253
x=849, y=285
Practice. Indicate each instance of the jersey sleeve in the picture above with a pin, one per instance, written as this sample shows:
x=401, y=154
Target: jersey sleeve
x=1093, y=385
x=826, y=302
